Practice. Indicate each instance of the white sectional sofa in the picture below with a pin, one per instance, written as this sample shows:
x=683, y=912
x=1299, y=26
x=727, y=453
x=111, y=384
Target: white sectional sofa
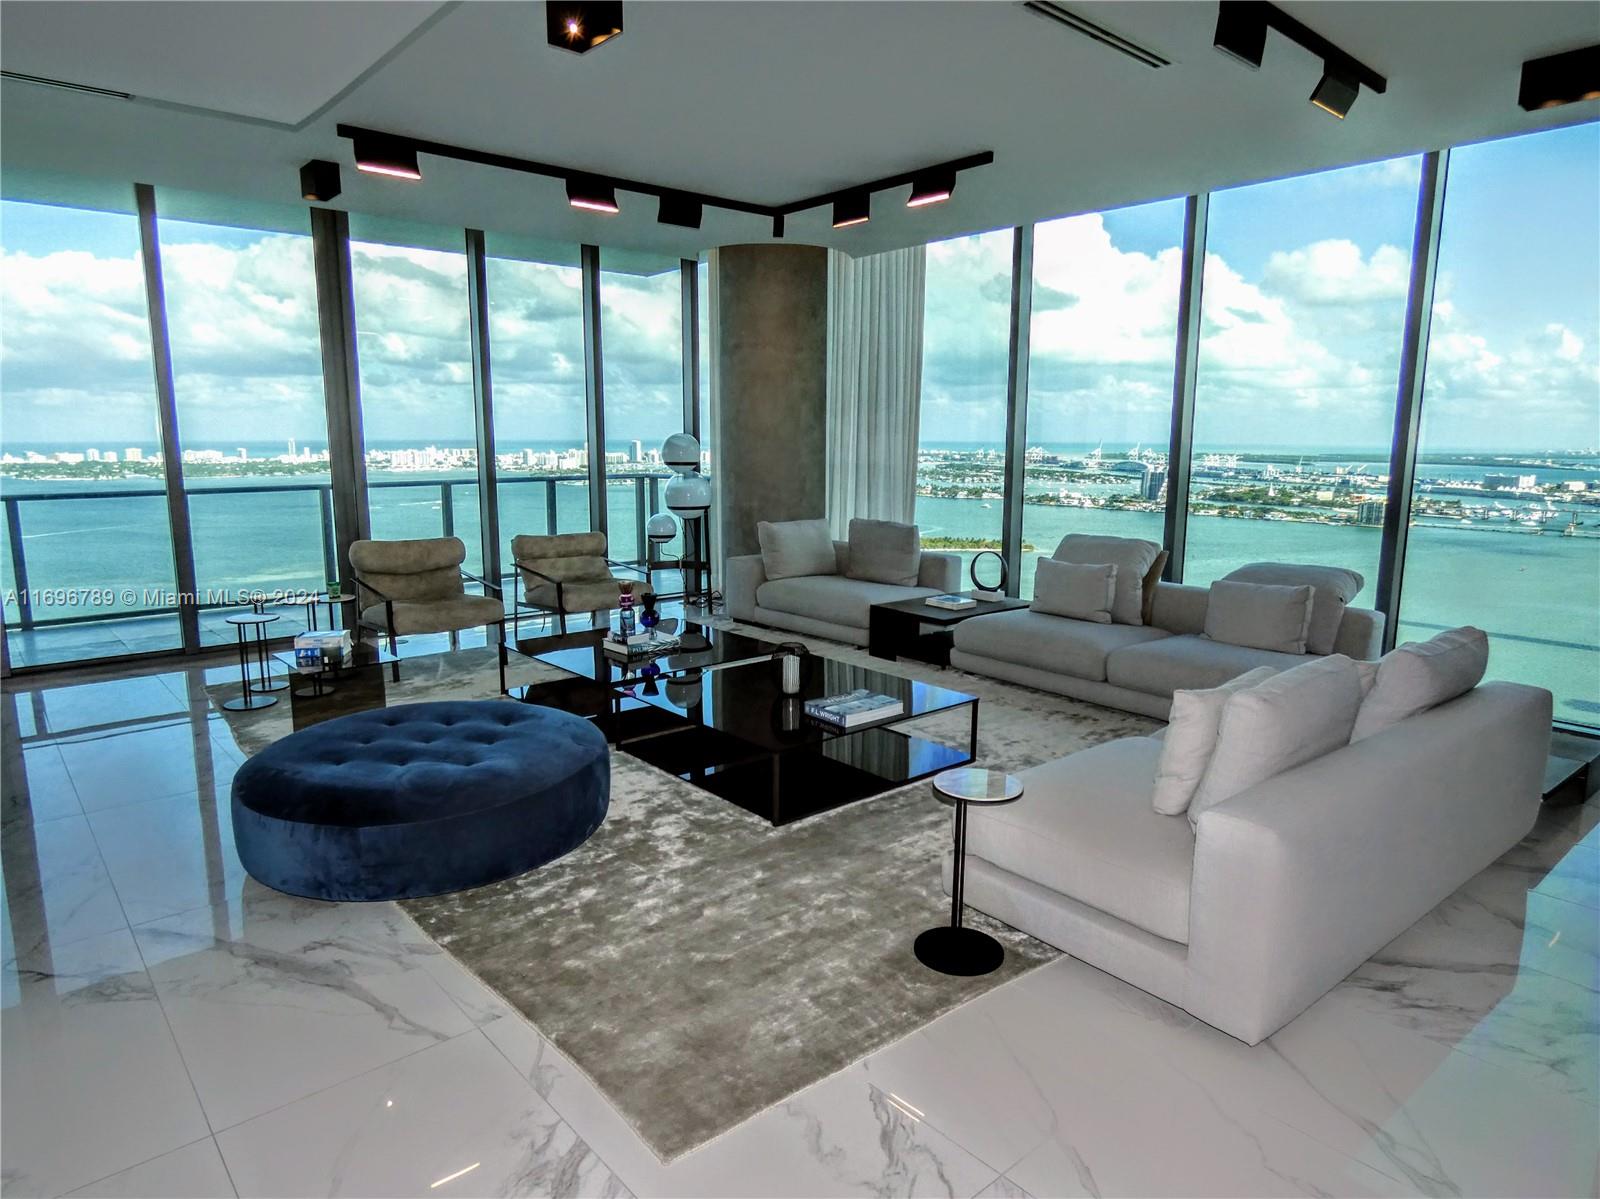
x=1132, y=667
x=1277, y=893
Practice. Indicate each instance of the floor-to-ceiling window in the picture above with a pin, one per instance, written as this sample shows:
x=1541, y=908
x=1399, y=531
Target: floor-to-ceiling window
x=86, y=535
x=961, y=438
x=1105, y=300
x=641, y=321
x=536, y=347
x=1505, y=530
x=414, y=350
x=1302, y=316
x=247, y=377
x=706, y=350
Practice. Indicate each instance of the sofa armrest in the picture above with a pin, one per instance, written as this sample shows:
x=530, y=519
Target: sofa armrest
x=1300, y=879
x=741, y=577
x=940, y=571
x=1360, y=634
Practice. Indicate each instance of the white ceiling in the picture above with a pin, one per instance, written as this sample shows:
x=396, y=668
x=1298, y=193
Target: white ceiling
x=765, y=101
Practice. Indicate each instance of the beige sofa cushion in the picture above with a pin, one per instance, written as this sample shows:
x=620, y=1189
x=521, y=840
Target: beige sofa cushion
x=832, y=598
x=793, y=549
x=1053, y=643
x=1335, y=586
x=884, y=551
x=1259, y=615
x=1190, y=739
x=1132, y=558
x=1187, y=663
x=1420, y=675
x=1084, y=828
x=1278, y=724
x=1075, y=590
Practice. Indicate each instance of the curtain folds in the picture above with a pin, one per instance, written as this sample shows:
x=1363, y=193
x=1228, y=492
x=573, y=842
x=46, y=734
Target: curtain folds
x=874, y=384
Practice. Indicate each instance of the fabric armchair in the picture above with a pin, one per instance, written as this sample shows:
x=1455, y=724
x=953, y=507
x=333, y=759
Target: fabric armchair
x=419, y=586
x=563, y=573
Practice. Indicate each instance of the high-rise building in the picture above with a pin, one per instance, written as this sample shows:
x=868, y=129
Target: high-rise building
x=1153, y=484
x=1370, y=512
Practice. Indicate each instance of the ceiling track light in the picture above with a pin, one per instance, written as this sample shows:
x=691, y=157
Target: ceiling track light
x=1241, y=34
x=581, y=25
x=1558, y=79
x=319, y=180
x=592, y=194
x=378, y=154
x=680, y=210
x=852, y=209
x=932, y=187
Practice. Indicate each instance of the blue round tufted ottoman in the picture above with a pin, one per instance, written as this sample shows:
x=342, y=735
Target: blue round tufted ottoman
x=419, y=799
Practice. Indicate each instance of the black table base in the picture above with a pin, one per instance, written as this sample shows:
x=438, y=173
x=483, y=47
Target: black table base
x=952, y=949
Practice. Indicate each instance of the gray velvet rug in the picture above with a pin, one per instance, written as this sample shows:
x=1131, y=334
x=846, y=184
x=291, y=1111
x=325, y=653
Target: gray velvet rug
x=700, y=965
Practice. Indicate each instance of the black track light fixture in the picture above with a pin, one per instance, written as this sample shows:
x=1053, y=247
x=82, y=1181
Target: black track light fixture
x=1336, y=91
x=319, y=180
x=592, y=194
x=852, y=208
x=581, y=25
x=681, y=210
x=380, y=155
x=932, y=187
x=1242, y=34
x=1558, y=79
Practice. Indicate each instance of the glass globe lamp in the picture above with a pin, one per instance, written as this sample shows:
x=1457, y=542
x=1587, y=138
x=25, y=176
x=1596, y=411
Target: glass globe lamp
x=681, y=452
x=689, y=496
x=661, y=528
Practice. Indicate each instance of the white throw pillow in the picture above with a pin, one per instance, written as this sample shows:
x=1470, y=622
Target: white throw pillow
x=1423, y=674
x=1075, y=590
x=1289, y=719
x=1191, y=738
x=1260, y=615
x=794, y=548
x=1132, y=559
x=1335, y=587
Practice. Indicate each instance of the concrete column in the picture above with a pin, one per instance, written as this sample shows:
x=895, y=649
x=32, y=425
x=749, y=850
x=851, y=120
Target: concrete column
x=771, y=347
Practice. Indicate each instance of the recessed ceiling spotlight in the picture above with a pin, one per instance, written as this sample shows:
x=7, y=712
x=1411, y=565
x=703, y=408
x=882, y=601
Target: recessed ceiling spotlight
x=1241, y=31
x=681, y=210
x=581, y=25
x=386, y=156
x=591, y=194
x=854, y=208
x=932, y=187
x=1560, y=79
x=319, y=180
x=1336, y=91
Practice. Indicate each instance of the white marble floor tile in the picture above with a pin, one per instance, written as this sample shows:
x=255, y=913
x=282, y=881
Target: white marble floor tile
x=56, y=888
x=92, y=1080
x=193, y=1172
x=454, y=1119
x=174, y=757
x=35, y=786
x=1003, y=1188
x=274, y=998
x=167, y=856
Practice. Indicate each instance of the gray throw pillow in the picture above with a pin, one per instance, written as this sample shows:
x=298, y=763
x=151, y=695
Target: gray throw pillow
x=792, y=549
x=884, y=551
x=1132, y=557
x=1075, y=590
x=1259, y=616
x=1335, y=586
x=1420, y=675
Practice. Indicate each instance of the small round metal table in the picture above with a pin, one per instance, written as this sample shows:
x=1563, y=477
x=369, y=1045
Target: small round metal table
x=251, y=693
x=333, y=599
x=951, y=948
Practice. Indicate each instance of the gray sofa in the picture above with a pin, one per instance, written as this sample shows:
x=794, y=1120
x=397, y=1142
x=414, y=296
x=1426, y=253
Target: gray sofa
x=832, y=606
x=1133, y=667
x=1278, y=892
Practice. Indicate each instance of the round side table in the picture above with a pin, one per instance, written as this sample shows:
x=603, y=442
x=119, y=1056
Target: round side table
x=333, y=600
x=951, y=948
x=251, y=693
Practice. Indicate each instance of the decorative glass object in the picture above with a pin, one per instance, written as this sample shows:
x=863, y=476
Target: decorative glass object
x=681, y=452
x=790, y=657
x=688, y=495
x=649, y=617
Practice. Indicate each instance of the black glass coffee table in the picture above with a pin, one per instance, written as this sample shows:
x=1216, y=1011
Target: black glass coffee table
x=740, y=737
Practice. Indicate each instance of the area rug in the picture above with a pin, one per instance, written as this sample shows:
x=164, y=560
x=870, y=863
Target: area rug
x=700, y=965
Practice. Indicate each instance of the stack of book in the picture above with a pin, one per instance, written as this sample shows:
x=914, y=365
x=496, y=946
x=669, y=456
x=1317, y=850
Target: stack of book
x=853, y=708
x=640, y=645
x=951, y=603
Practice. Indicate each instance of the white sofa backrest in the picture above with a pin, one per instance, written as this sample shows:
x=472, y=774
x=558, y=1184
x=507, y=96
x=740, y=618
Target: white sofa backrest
x=1181, y=608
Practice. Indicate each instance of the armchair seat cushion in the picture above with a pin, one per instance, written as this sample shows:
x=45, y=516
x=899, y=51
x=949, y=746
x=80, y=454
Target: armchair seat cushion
x=1188, y=663
x=832, y=598
x=1084, y=828
x=580, y=595
x=1028, y=638
x=435, y=616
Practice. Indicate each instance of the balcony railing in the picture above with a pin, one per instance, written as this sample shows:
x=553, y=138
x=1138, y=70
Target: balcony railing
x=646, y=500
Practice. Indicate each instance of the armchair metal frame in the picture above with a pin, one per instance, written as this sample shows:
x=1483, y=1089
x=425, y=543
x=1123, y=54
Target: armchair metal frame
x=455, y=634
x=560, y=610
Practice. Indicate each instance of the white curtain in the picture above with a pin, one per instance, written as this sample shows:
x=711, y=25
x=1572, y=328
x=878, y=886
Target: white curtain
x=874, y=384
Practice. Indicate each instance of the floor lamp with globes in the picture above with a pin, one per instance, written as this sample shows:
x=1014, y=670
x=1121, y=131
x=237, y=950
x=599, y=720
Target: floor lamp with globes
x=687, y=497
